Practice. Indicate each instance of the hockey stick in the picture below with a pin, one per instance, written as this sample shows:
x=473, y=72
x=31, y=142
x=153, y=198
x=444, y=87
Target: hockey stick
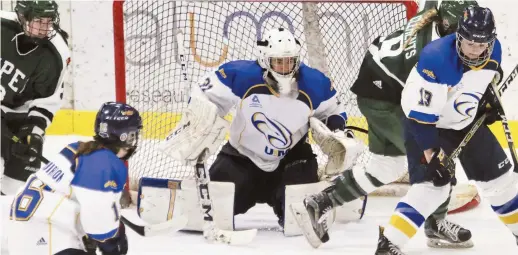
x=175, y=224
x=172, y=225
x=468, y=137
x=497, y=93
x=359, y=129
x=210, y=231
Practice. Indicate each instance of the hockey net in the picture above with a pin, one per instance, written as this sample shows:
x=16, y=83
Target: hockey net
x=149, y=34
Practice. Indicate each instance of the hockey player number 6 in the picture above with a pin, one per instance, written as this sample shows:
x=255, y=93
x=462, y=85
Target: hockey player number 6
x=29, y=200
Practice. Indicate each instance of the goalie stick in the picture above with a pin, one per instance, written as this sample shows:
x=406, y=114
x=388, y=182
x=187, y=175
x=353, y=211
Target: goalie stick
x=175, y=224
x=497, y=93
x=210, y=231
x=172, y=225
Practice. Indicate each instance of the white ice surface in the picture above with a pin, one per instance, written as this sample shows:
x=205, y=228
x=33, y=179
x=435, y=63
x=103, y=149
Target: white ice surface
x=489, y=234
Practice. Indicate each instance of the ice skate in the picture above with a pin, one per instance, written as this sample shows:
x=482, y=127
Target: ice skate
x=312, y=217
x=445, y=234
x=385, y=246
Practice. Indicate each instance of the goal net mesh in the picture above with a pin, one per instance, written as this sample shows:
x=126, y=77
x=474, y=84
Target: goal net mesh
x=334, y=38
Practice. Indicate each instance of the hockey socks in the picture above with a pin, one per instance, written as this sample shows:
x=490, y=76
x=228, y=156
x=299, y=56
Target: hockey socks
x=502, y=194
x=507, y=211
x=412, y=210
x=362, y=180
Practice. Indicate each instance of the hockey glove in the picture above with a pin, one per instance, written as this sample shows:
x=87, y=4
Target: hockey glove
x=117, y=245
x=490, y=104
x=441, y=169
x=492, y=116
x=90, y=245
x=30, y=147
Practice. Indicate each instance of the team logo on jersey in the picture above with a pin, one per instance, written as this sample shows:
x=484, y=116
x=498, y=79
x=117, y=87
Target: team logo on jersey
x=278, y=135
x=110, y=184
x=466, y=104
x=255, y=102
x=429, y=73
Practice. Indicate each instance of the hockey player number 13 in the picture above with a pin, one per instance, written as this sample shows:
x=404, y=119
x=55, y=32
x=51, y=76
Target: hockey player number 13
x=28, y=200
x=426, y=97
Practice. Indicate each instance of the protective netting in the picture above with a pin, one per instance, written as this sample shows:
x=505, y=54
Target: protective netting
x=335, y=37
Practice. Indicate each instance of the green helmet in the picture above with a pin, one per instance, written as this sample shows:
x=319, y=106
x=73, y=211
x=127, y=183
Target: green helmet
x=29, y=10
x=449, y=14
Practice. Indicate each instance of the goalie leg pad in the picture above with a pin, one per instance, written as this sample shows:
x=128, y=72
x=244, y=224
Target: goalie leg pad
x=160, y=200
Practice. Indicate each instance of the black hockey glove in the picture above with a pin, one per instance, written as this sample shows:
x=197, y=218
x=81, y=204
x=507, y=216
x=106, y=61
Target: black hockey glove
x=489, y=103
x=117, y=245
x=441, y=169
x=30, y=147
x=90, y=245
x=492, y=115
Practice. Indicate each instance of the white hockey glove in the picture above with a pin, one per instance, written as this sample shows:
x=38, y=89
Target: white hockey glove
x=341, y=148
x=200, y=128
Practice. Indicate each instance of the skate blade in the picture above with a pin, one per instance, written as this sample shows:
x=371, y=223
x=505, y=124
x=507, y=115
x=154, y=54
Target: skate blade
x=439, y=243
x=301, y=216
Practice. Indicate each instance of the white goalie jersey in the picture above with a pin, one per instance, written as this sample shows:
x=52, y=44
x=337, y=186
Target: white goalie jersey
x=266, y=125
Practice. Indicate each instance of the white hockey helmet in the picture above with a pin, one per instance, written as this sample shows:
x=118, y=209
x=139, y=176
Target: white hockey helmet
x=279, y=54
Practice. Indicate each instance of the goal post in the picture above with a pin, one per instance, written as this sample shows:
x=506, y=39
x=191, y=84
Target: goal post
x=334, y=35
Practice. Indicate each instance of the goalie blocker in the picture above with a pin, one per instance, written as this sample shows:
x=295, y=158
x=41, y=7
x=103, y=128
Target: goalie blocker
x=161, y=200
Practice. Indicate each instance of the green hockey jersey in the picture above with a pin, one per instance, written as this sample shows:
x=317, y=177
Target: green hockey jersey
x=31, y=75
x=388, y=63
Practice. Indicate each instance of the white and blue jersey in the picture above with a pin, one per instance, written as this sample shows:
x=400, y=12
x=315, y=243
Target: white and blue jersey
x=267, y=125
x=442, y=92
x=91, y=183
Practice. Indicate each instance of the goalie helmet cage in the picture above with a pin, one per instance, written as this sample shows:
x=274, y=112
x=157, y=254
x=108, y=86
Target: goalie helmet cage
x=334, y=37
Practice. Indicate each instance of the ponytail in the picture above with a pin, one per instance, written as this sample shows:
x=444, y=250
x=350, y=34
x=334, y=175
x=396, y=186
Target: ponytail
x=86, y=148
x=427, y=17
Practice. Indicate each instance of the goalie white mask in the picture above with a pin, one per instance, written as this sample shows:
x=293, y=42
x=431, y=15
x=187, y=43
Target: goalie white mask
x=279, y=54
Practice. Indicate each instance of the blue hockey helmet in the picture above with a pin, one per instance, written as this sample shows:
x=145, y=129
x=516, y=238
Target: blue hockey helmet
x=477, y=29
x=118, y=125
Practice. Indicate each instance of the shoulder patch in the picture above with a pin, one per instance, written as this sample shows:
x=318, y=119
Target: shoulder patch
x=429, y=73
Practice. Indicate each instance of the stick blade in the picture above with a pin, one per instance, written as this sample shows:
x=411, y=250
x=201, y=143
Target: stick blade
x=235, y=237
x=171, y=226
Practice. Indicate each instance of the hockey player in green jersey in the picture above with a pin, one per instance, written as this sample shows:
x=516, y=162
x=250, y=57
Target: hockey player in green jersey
x=34, y=60
x=378, y=87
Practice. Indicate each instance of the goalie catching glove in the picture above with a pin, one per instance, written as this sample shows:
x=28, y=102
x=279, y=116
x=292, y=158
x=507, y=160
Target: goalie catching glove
x=341, y=147
x=200, y=128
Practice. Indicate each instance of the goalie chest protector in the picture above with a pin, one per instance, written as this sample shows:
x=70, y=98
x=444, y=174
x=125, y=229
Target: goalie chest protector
x=267, y=124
